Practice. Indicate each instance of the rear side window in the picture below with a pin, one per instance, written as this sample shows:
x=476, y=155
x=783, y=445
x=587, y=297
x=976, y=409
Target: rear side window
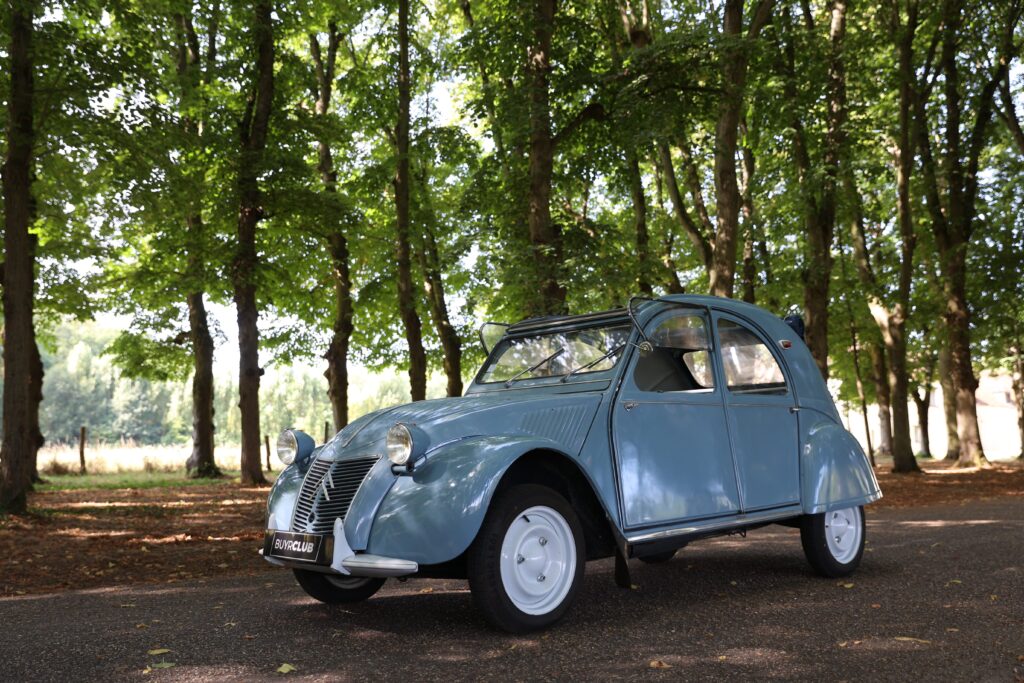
x=680, y=360
x=749, y=365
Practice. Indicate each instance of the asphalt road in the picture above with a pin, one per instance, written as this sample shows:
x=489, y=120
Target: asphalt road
x=939, y=596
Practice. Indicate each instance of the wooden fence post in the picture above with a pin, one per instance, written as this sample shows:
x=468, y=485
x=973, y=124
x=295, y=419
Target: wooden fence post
x=81, y=450
x=266, y=443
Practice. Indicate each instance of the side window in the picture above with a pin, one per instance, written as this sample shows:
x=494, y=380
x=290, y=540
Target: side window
x=748, y=364
x=680, y=360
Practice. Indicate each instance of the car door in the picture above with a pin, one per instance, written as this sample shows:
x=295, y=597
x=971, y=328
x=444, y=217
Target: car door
x=762, y=417
x=669, y=427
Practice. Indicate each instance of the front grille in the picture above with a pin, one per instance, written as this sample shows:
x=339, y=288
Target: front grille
x=327, y=492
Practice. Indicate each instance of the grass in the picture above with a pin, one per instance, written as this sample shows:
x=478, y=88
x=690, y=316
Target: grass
x=120, y=466
x=130, y=480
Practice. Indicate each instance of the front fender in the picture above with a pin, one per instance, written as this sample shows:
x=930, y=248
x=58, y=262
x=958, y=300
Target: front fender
x=836, y=472
x=432, y=515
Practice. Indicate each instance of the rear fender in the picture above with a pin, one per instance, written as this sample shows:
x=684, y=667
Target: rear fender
x=836, y=472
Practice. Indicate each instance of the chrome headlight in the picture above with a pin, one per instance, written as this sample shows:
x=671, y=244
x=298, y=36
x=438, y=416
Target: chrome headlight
x=294, y=445
x=399, y=444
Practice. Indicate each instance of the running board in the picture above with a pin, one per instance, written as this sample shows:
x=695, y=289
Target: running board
x=715, y=526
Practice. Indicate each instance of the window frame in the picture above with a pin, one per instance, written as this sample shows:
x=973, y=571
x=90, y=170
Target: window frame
x=786, y=392
x=649, y=329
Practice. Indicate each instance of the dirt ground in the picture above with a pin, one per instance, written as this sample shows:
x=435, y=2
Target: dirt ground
x=96, y=538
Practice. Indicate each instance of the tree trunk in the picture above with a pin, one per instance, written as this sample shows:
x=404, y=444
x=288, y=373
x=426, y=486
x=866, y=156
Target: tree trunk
x=727, y=197
x=958, y=324
x=201, y=463
x=749, y=267
x=733, y=61
x=254, y=129
x=1018, y=391
x=700, y=238
x=889, y=315
x=22, y=368
x=545, y=235
x=951, y=185
x=337, y=242
x=451, y=345
x=949, y=404
x=822, y=230
x=922, y=402
x=403, y=259
x=639, y=198
x=881, y=378
x=858, y=374
x=342, y=328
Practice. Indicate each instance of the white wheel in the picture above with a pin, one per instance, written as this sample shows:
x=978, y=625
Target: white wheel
x=527, y=561
x=538, y=560
x=833, y=541
x=843, y=531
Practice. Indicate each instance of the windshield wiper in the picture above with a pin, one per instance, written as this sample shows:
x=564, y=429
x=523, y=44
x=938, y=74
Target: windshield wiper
x=519, y=374
x=594, y=362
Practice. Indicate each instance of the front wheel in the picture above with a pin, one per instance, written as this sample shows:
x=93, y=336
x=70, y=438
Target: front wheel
x=337, y=589
x=834, y=541
x=526, y=563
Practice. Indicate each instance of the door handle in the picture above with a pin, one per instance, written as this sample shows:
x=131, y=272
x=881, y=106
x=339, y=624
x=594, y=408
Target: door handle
x=629, y=405
x=794, y=410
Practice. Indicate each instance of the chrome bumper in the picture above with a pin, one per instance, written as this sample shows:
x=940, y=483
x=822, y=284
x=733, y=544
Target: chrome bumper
x=344, y=560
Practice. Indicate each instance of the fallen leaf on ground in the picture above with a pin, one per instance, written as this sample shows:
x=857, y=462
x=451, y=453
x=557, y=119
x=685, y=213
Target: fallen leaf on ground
x=428, y=589
x=847, y=585
x=659, y=664
x=158, y=651
x=876, y=606
x=634, y=586
x=163, y=665
x=953, y=630
x=285, y=668
x=721, y=658
x=248, y=637
x=141, y=625
x=908, y=639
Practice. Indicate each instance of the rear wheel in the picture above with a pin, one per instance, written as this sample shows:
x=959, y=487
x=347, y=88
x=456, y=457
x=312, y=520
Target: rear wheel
x=834, y=541
x=526, y=563
x=337, y=589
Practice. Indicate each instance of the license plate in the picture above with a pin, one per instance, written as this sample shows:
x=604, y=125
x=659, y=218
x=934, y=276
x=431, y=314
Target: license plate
x=292, y=546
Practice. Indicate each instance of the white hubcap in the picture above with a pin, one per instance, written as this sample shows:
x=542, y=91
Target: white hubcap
x=538, y=560
x=843, y=533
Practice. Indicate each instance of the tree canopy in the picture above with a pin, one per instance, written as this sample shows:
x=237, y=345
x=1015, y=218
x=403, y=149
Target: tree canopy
x=366, y=182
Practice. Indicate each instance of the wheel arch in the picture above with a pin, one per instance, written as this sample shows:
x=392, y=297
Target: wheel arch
x=557, y=471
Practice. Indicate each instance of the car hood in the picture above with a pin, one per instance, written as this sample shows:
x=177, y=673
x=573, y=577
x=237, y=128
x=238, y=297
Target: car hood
x=557, y=417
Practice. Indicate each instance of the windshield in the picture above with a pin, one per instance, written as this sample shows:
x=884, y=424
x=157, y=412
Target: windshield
x=556, y=354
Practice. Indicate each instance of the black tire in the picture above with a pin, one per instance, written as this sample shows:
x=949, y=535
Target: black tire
x=484, y=558
x=816, y=547
x=658, y=558
x=337, y=590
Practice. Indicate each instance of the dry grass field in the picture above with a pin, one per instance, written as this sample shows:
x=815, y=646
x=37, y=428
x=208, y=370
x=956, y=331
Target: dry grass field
x=124, y=458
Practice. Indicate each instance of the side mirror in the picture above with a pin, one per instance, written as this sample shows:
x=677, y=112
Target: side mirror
x=491, y=334
x=646, y=348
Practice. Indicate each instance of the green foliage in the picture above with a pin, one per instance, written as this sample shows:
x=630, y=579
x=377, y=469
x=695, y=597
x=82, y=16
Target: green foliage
x=137, y=166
